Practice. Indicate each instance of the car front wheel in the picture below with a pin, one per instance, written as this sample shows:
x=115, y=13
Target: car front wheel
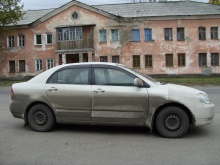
x=172, y=122
x=41, y=118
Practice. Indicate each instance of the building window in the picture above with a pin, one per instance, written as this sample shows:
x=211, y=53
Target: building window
x=103, y=59
x=37, y=39
x=180, y=34
x=69, y=34
x=168, y=34
x=11, y=66
x=20, y=40
x=181, y=59
x=49, y=63
x=49, y=38
x=136, y=35
x=11, y=41
x=115, y=35
x=38, y=65
x=169, y=60
x=202, y=59
x=214, y=33
x=202, y=33
x=21, y=65
x=147, y=34
x=148, y=61
x=214, y=59
x=136, y=61
x=75, y=15
x=102, y=36
x=115, y=59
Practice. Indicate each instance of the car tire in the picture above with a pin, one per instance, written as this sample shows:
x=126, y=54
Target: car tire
x=41, y=118
x=172, y=122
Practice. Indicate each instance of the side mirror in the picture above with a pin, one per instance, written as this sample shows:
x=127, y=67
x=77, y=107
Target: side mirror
x=138, y=82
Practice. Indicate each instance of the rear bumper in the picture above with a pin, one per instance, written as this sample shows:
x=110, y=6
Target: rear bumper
x=16, y=109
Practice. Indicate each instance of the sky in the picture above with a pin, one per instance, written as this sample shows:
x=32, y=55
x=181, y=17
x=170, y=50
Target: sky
x=44, y=4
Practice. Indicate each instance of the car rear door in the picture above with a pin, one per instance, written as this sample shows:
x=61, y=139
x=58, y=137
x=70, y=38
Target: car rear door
x=115, y=99
x=69, y=91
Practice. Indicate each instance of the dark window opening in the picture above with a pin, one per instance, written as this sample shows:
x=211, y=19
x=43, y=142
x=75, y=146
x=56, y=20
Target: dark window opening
x=21, y=65
x=202, y=33
x=214, y=59
x=115, y=59
x=202, y=59
x=181, y=59
x=214, y=33
x=168, y=34
x=11, y=66
x=180, y=34
x=103, y=59
x=136, y=61
x=169, y=60
x=148, y=61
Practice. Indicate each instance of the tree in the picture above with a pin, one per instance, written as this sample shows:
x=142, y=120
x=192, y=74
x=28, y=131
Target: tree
x=10, y=13
x=215, y=2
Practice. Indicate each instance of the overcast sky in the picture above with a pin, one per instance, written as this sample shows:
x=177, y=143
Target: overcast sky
x=47, y=4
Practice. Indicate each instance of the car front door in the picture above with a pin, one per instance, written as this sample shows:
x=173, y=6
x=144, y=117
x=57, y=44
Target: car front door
x=115, y=98
x=69, y=91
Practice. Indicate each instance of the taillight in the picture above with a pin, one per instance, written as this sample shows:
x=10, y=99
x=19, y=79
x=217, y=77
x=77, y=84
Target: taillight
x=12, y=95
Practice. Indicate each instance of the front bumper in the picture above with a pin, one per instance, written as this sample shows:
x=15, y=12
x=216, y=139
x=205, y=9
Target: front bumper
x=204, y=115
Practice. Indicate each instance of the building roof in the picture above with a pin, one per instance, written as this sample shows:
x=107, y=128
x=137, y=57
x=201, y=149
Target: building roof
x=31, y=16
x=132, y=10
x=147, y=9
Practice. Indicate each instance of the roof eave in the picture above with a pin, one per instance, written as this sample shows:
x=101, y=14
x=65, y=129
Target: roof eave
x=171, y=17
x=68, y=5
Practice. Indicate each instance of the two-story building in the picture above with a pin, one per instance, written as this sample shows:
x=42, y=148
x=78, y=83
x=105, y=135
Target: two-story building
x=155, y=38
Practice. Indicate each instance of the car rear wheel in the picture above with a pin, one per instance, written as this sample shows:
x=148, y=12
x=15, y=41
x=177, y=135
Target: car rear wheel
x=172, y=122
x=41, y=118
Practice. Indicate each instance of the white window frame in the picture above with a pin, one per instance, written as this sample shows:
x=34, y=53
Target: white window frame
x=10, y=41
x=46, y=36
x=35, y=39
x=21, y=38
x=49, y=61
x=117, y=35
x=100, y=35
x=38, y=65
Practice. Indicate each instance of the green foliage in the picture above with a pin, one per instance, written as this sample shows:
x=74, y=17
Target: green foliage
x=192, y=81
x=10, y=13
x=215, y=2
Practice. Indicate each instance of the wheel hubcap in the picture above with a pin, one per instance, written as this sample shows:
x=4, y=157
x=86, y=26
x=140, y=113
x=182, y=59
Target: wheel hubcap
x=40, y=118
x=172, y=122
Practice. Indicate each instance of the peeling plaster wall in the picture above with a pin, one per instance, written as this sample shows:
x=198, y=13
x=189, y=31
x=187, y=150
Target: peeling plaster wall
x=125, y=48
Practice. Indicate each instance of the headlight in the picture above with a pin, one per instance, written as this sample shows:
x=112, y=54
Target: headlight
x=204, y=98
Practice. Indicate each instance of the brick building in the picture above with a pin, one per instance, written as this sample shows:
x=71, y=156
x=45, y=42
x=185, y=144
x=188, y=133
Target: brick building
x=155, y=38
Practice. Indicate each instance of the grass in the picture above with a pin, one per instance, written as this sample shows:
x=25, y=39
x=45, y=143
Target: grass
x=192, y=81
x=6, y=83
x=203, y=81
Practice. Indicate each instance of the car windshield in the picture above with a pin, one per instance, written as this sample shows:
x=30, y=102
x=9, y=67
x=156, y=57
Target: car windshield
x=144, y=75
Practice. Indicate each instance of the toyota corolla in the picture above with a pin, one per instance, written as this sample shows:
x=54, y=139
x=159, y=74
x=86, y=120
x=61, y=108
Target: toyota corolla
x=107, y=93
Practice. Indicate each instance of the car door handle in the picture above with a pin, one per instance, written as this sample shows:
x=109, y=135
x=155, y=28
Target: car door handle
x=52, y=89
x=99, y=91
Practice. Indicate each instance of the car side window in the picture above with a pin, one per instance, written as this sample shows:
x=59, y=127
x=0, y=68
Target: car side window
x=104, y=76
x=70, y=76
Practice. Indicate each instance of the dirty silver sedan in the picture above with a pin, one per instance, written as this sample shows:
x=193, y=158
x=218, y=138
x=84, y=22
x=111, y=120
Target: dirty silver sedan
x=106, y=93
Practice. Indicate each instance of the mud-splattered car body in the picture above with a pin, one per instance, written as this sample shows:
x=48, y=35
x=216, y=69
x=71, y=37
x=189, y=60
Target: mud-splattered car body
x=106, y=93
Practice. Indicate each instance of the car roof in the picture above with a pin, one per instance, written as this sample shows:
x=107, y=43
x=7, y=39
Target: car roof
x=91, y=63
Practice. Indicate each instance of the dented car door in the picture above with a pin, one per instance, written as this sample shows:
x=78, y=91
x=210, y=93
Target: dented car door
x=115, y=98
